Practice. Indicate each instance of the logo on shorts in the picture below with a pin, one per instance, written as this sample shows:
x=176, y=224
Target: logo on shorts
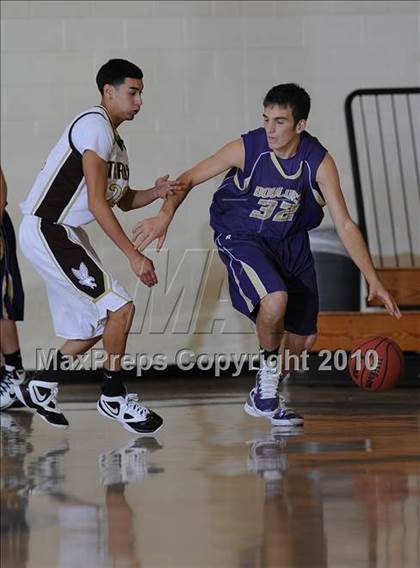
x=83, y=277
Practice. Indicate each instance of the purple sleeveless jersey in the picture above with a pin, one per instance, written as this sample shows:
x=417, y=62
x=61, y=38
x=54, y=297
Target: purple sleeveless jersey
x=272, y=197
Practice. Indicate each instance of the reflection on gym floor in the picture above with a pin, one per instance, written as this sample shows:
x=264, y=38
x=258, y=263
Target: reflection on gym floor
x=217, y=488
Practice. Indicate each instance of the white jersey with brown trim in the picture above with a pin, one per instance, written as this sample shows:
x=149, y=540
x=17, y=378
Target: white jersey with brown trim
x=59, y=193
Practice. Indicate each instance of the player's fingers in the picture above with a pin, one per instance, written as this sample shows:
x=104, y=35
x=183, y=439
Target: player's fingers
x=153, y=278
x=139, y=236
x=147, y=239
x=137, y=228
x=395, y=309
x=139, y=239
x=387, y=303
x=389, y=308
x=162, y=179
x=160, y=242
x=392, y=307
x=150, y=279
x=147, y=279
x=144, y=240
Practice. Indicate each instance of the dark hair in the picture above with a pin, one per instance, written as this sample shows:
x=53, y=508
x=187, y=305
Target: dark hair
x=290, y=94
x=115, y=72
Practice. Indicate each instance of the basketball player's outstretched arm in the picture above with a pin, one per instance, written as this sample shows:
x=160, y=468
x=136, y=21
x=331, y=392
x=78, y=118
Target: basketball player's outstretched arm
x=95, y=171
x=328, y=180
x=229, y=156
x=136, y=198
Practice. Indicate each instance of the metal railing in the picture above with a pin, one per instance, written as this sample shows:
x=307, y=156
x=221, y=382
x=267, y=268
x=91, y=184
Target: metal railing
x=383, y=127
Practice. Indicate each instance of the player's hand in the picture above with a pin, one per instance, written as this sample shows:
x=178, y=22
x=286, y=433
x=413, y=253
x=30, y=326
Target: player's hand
x=145, y=232
x=377, y=291
x=143, y=267
x=165, y=187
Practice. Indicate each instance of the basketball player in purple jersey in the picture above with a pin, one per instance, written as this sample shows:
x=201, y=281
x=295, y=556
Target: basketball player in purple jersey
x=279, y=178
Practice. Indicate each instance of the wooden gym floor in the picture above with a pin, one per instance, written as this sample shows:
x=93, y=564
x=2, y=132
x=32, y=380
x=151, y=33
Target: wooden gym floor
x=216, y=488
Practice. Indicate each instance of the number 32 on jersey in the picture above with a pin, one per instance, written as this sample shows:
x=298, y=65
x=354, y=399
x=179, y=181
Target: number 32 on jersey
x=268, y=207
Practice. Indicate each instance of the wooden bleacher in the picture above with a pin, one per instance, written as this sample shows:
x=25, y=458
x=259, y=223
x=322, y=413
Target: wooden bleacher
x=381, y=143
x=404, y=285
x=342, y=330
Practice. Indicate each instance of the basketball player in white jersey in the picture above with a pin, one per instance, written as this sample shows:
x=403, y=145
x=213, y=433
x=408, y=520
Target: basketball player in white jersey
x=85, y=175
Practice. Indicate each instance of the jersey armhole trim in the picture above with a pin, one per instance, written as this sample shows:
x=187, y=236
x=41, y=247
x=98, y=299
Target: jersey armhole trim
x=316, y=194
x=247, y=179
x=72, y=146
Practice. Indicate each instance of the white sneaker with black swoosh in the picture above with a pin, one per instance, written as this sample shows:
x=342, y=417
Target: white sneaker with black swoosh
x=130, y=414
x=42, y=396
x=9, y=379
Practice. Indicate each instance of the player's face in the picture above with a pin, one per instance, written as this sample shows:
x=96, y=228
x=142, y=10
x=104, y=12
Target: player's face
x=280, y=126
x=127, y=98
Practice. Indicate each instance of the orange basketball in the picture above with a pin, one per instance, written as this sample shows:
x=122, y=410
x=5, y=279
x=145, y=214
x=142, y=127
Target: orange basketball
x=376, y=364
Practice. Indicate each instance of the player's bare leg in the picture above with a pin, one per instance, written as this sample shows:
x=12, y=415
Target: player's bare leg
x=9, y=336
x=270, y=320
x=292, y=347
x=74, y=347
x=263, y=400
x=115, y=336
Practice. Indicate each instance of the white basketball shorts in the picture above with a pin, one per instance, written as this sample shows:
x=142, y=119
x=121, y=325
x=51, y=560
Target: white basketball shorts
x=80, y=291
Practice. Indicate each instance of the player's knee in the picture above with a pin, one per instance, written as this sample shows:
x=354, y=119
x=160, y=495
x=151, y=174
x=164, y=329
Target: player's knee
x=123, y=317
x=273, y=306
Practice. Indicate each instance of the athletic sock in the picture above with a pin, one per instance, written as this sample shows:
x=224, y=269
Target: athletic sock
x=13, y=361
x=268, y=355
x=112, y=384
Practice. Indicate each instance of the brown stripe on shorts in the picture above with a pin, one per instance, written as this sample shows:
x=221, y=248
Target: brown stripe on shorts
x=78, y=266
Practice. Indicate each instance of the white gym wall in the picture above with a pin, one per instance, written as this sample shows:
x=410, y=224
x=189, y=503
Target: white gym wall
x=207, y=66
